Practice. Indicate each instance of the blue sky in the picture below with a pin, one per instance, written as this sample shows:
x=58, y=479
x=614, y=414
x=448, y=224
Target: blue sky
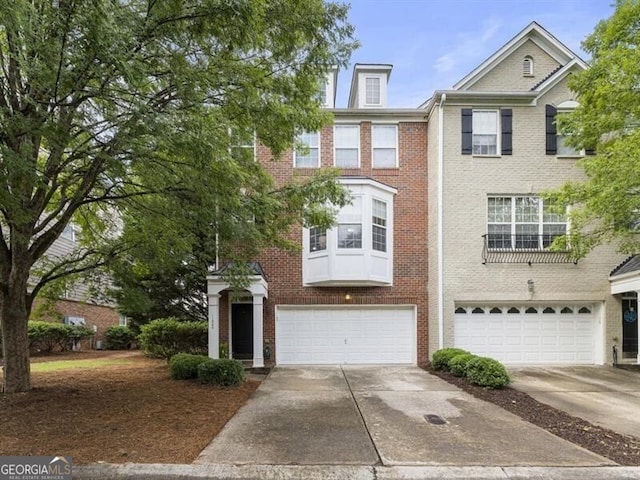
x=434, y=43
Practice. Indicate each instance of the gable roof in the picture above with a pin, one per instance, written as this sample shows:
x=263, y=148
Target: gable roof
x=533, y=32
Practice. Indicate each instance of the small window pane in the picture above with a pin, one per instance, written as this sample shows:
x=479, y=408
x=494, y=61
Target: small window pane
x=584, y=310
x=549, y=310
x=496, y=310
x=350, y=235
x=531, y=310
x=308, y=157
x=461, y=310
x=513, y=310
x=566, y=310
x=478, y=310
x=317, y=239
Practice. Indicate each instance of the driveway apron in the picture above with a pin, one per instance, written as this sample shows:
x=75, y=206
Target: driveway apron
x=380, y=416
x=605, y=396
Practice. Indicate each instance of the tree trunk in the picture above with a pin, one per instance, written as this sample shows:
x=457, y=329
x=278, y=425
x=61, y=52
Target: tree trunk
x=14, y=314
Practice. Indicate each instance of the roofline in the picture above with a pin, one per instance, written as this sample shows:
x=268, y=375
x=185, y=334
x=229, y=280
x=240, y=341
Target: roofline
x=467, y=97
x=511, y=45
x=559, y=75
x=415, y=114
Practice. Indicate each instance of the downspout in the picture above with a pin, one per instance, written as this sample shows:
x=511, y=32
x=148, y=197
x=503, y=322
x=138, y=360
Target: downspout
x=443, y=99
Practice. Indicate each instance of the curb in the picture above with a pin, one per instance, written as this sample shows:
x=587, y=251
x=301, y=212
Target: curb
x=345, y=472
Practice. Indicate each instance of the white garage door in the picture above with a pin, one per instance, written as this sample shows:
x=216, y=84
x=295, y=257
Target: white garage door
x=338, y=335
x=528, y=335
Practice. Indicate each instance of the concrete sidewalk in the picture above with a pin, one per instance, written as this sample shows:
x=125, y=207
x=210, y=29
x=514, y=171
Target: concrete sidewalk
x=378, y=416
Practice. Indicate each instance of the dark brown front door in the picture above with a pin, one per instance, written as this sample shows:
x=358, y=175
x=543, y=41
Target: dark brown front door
x=242, y=330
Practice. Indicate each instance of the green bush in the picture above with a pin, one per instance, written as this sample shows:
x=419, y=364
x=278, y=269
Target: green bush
x=45, y=337
x=487, y=372
x=442, y=357
x=118, y=337
x=165, y=337
x=221, y=371
x=458, y=364
x=184, y=366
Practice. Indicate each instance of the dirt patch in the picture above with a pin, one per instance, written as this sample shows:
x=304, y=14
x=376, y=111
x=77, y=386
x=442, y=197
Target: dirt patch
x=123, y=413
x=622, y=449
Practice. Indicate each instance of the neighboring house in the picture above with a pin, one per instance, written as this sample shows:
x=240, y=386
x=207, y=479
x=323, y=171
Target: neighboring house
x=77, y=305
x=494, y=287
x=448, y=193
x=356, y=293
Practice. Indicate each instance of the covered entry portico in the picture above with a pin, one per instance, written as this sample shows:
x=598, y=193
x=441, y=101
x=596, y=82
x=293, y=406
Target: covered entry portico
x=625, y=281
x=258, y=289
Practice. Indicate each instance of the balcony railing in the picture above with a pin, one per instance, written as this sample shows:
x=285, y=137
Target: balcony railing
x=522, y=248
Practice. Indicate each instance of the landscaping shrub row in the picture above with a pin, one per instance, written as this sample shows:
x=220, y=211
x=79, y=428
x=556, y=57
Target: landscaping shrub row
x=46, y=337
x=166, y=337
x=222, y=371
x=483, y=371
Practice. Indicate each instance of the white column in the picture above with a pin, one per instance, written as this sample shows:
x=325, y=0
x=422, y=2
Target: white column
x=258, y=359
x=214, y=325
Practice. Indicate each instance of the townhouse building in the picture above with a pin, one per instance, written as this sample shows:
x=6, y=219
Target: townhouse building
x=448, y=239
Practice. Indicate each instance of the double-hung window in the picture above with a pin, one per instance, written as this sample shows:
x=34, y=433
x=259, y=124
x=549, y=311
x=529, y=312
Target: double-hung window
x=523, y=222
x=350, y=224
x=243, y=144
x=309, y=155
x=379, y=225
x=317, y=239
x=385, y=146
x=485, y=132
x=372, y=90
x=346, y=141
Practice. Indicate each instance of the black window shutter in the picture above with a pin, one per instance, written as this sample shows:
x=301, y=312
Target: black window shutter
x=589, y=151
x=552, y=142
x=467, y=131
x=506, y=116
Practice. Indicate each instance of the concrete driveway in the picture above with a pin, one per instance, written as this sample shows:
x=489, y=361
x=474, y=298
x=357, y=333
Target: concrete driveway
x=605, y=396
x=380, y=416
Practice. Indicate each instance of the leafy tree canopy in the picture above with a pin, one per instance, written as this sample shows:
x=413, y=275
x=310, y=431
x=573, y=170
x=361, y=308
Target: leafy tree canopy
x=606, y=207
x=108, y=105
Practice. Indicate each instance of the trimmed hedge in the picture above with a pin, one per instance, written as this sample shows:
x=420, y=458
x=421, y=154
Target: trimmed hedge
x=45, y=337
x=442, y=357
x=487, y=372
x=118, y=337
x=221, y=371
x=458, y=365
x=165, y=337
x=184, y=366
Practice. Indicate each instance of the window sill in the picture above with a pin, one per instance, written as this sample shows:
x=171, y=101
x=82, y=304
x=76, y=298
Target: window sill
x=570, y=157
x=486, y=156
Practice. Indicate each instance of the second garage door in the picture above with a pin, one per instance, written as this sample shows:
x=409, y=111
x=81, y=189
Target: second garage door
x=338, y=335
x=543, y=334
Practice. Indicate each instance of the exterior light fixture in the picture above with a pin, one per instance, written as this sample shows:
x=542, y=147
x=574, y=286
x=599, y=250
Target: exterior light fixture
x=347, y=296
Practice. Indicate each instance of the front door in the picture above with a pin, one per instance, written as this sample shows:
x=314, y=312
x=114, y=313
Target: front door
x=629, y=327
x=242, y=330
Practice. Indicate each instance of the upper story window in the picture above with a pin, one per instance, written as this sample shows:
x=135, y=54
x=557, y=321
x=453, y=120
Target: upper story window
x=523, y=222
x=385, y=146
x=372, y=90
x=309, y=156
x=317, y=239
x=486, y=132
x=69, y=232
x=527, y=66
x=243, y=144
x=379, y=225
x=556, y=144
x=350, y=224
x=346, y=140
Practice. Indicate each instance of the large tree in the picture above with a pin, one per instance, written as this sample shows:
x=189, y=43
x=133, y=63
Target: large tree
x=606, y=206
x=104, y=103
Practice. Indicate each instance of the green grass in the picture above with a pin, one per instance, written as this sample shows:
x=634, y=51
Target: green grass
x=58, y=365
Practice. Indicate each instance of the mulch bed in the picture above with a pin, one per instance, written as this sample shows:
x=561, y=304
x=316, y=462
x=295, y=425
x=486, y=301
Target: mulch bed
x=622, y=449
x=116, y=414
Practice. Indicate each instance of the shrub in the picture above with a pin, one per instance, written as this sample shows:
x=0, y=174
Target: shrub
x=165, y=337
x=184, y=366
x=458, y=364
x=48, y=336
x=118, y=337
x=442, y=357
x=487, y=372
x=222, y=371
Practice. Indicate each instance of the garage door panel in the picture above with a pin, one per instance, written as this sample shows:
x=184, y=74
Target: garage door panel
x=527, y=338
x=366, y=335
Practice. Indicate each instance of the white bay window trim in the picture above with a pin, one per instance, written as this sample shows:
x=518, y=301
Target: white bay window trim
x=359, y=250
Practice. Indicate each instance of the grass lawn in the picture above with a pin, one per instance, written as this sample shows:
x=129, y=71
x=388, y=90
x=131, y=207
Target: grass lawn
x=114, y=407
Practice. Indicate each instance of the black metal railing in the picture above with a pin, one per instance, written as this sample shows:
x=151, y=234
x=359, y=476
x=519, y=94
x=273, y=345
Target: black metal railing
x=523, y=248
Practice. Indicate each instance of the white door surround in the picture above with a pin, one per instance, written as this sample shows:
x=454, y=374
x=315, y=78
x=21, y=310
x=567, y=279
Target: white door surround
x=258, y=288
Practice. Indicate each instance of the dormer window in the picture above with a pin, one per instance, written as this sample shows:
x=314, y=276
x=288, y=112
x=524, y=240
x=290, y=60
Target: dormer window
x=372, y=90
x=527, y=66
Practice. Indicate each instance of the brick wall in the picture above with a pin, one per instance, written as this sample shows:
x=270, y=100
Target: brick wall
x=284, y=269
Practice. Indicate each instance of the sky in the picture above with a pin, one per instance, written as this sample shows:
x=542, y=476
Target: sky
x=434, y=43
